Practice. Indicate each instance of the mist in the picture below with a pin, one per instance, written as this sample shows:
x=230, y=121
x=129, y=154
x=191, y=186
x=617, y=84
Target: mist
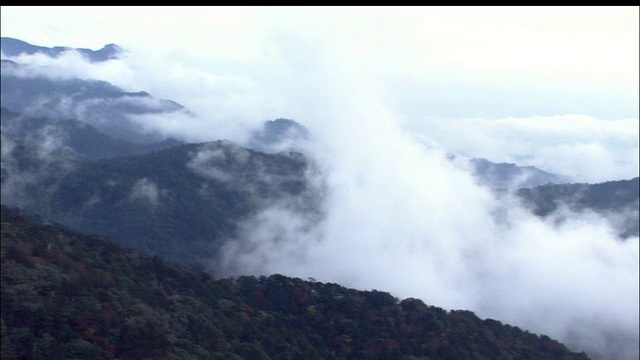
x=400, y=217
x=396, y=214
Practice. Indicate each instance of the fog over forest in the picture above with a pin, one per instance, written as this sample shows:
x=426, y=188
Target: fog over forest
x=388, y=98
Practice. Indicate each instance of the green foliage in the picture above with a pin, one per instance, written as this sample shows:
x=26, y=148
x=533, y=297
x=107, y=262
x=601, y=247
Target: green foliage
x=72, y=296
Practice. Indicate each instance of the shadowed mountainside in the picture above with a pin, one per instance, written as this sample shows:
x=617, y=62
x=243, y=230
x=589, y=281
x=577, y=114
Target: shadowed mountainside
x=181, y=203
x=616, y=200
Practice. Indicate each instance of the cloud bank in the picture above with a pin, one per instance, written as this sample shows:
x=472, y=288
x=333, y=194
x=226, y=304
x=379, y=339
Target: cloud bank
x=401, y=217
x=398, y=216
x=580, y=147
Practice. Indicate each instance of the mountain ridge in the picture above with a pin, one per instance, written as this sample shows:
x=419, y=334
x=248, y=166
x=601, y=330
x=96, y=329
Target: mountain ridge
x=189, y=194
x=120, y=114
x=15, y=47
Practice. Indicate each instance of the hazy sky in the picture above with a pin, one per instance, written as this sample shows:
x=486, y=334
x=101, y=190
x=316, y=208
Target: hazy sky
x=386, y=93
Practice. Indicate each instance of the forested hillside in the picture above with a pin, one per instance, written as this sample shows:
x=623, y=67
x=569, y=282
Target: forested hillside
x=67, y=295
x=181, y=203
x=616, y=200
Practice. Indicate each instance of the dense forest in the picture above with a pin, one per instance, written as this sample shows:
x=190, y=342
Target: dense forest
x=67, y=295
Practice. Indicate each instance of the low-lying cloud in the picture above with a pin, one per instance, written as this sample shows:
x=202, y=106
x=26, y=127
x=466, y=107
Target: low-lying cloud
x=580, y=147
x=402, y=218
x=397, y=214
x=27, y=163
x=146, y=190
x=229, y=102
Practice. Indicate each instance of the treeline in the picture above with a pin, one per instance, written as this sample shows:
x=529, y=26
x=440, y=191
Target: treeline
x=67, y=295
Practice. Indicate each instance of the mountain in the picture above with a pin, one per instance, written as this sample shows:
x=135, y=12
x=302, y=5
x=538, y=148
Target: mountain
x=511, y=176
x=13, y=47
x=39, y=152
x=117, y=113
x=180, y=203
x=278, y=135
x=68, y=295
x=285, y=134
x=616, y=200
x=81, y=139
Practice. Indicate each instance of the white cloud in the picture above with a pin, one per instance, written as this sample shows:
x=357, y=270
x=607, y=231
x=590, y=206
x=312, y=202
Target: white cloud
x=401, y=217
x=146, y=190
x=68, y=65
x=211, y=161
x=398, y=216
x=581, y=147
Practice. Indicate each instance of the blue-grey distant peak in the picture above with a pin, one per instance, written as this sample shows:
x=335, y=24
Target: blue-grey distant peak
x=14, y=47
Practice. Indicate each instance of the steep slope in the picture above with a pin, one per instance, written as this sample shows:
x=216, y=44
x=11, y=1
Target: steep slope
x=67, y=295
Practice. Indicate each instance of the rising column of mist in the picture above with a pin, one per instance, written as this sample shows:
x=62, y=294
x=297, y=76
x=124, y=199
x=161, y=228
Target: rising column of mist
x=399, y=217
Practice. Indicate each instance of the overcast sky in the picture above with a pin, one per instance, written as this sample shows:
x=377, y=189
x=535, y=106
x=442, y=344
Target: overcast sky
x=387, y=93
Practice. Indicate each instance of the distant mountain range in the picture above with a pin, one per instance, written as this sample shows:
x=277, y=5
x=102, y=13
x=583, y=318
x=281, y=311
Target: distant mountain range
x=615, y=200
x=13, y=47
x=75, y=153
x=181, y=203
x=81, y=140
x=511, y=176
x=109, y=109
x=77, y=167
